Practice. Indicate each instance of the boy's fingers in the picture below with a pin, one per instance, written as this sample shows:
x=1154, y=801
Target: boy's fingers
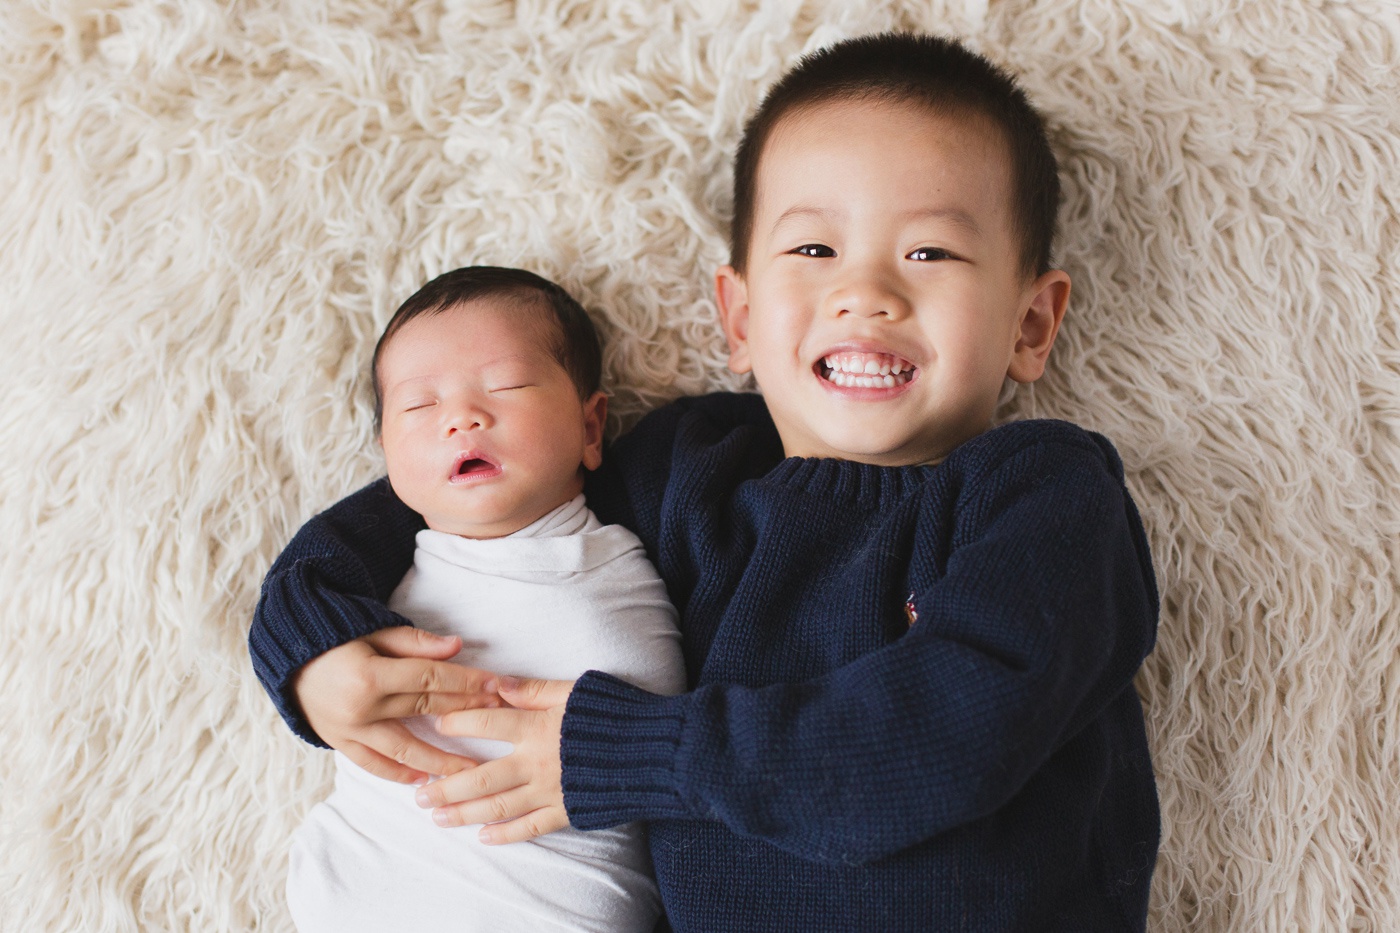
x=391, y=676
x=381, y=767
x=404, y=705
x=504, y=724
x=472, y=785
x=529, y=693
x=393, y=742
x=407, y=641
x=508, y=805
x=533, y=824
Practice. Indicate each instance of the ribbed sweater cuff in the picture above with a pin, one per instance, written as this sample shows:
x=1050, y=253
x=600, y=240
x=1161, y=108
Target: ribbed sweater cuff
x=287, y=634
x=618, y=750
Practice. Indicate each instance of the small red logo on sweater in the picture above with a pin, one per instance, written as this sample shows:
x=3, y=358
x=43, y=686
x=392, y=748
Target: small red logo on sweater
x=910, y=611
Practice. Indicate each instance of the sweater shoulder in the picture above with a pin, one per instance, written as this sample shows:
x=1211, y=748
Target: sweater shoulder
x=725, y=431
x=714, y=416
x=1061, y=476
x=672, y=448
x=1040, y=444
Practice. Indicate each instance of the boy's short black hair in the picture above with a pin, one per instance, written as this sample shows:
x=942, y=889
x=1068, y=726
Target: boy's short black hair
x=931, y=71
x=574, y=340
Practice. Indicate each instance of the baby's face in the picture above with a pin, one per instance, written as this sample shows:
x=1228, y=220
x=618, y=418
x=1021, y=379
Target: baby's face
x=884, y=301
x=483, y=430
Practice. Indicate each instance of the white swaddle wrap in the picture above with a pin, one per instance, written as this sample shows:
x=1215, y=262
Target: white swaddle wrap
x=562, y=596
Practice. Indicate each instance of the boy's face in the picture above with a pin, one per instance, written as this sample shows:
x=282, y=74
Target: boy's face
x=483, y=430
x=884, y=301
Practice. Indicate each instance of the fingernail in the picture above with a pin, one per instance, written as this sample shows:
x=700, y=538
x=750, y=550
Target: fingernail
x=509, y=683
x=486, y=836
x=420, y=780
x=490, y=686
x=440, y=817
x=421, y=798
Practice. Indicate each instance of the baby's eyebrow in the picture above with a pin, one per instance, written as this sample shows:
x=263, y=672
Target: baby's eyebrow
x=408, y=381
x=514, y=363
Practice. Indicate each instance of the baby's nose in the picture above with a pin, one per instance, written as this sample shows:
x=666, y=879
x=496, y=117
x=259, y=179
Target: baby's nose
x=466, y=417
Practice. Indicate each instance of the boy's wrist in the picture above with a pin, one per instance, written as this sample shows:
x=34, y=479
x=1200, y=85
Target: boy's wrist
x=618, y=748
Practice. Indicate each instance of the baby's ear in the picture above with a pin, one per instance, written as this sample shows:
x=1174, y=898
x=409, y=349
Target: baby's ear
x=595, y=417
x=732, y=298
x=1042, y=309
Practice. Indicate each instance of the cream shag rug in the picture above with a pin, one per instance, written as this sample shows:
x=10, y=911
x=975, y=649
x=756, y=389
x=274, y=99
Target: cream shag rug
x=207, y=212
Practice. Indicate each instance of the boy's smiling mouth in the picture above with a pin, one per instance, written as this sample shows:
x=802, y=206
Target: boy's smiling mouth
x=472, y=465
x=853, y=369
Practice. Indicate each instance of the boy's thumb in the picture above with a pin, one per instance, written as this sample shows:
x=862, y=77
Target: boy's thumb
x=406, y=641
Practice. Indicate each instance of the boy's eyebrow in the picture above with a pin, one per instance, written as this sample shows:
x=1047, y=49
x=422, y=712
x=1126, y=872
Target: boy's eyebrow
x=953, y=215
x=795, y=213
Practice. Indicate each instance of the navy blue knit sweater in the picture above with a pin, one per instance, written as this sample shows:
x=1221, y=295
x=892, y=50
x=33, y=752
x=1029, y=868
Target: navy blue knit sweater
x=912, y=703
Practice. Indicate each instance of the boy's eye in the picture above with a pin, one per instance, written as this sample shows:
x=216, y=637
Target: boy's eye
x=815, y=251
x=929, y=254
x=523, y=385
x=416, y=405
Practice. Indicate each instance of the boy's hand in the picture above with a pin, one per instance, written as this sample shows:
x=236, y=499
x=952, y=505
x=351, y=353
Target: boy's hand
x=521, y=795
x=354, y=696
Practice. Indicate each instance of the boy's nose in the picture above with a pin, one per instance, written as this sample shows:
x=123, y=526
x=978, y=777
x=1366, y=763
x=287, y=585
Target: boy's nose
x=870, y=297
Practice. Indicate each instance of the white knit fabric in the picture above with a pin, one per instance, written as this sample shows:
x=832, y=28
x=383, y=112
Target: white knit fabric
x=565, y=595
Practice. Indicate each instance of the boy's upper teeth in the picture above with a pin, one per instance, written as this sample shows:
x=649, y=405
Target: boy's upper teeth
x=867, y=364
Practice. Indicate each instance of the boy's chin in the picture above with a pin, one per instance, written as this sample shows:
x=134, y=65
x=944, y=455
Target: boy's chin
x=858, y=450
x=874, y=448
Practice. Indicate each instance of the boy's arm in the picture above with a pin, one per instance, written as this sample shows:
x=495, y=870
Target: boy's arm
x=1041, y=619
x=329, y=652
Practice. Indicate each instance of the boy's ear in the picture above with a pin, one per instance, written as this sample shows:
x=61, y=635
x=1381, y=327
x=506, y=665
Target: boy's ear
x=595, y=416
x=732, y=298
x=1044, y=308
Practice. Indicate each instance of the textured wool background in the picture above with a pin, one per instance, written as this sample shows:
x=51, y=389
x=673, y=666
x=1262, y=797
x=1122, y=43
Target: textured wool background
x=208, y=211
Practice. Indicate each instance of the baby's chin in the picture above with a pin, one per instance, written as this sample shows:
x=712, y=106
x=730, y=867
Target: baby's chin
x=465, y=524
x=484, y=524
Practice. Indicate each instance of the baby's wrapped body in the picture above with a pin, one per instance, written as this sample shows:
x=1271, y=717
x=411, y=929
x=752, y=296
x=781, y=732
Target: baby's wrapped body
x=564, y=595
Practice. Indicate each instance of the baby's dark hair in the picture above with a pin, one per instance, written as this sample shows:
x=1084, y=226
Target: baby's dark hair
x=574, y=341
x=931, y=71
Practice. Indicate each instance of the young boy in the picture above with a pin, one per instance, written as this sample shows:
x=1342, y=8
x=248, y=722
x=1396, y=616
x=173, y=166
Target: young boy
x=487, y=403
x=910, y=637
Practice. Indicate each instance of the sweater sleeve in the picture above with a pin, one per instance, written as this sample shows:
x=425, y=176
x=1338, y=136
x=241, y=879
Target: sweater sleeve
x=328, y=587
x=1039, y=618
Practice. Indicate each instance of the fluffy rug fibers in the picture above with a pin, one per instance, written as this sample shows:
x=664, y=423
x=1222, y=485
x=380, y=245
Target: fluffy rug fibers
x=208, y=211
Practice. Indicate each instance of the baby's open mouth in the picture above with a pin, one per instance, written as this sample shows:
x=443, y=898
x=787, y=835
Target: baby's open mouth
x=853, y=370
x=474, y=465
x=471, y=467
